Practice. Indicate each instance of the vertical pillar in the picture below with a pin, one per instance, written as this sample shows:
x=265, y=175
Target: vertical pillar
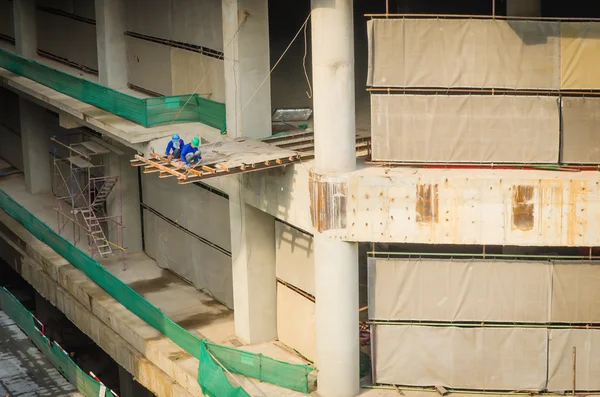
x=246, y=46
x=254, y=278
x=35, y=143
x=336, y=262
x=129, y=387
x=524, y=8
x=110, y=37
x=25, y=27
x=129, y=202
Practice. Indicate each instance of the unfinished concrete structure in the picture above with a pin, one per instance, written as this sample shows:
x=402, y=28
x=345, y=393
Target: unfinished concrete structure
x=477, y=203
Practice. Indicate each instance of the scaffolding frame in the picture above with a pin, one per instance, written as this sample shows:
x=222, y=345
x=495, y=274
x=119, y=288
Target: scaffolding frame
x=82, y=190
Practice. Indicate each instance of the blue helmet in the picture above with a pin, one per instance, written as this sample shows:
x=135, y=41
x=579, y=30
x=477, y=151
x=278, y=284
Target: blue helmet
x=175, y=137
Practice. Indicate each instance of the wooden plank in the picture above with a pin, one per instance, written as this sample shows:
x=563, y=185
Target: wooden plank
x=79, y=162
x=94, y=147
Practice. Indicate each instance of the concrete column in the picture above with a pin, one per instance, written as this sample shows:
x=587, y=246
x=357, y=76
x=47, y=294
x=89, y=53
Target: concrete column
x=524, y=8
x=129, y=387
x=246, y=44
x=336, y=262
x=246, y=47
x=254, y=278
x=25, y=27
x=110, y=37
x=35, y=143
x=132, y=222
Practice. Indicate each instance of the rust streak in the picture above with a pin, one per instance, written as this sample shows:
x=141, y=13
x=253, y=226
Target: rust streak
x=523, y=207
x=427, y=203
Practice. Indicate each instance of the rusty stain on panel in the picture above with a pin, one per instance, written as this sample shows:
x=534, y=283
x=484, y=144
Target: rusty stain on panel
x=427, y=203
x=576, y=223
x=327, y=204
x=522, y=207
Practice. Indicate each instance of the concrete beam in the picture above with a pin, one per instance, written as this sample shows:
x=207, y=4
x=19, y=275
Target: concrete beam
x=125, y=200
x=110, y=37
x=67, y=121
x=247, y=93
x=36, y=148
x=25, y=27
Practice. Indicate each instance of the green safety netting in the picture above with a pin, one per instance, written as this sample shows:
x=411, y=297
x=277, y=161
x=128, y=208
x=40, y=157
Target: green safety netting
x=266, y=369
x=57, y=356
x=145, y=111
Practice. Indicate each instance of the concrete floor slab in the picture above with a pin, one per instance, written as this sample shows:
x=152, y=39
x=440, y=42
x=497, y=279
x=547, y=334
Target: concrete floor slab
x=83, y=301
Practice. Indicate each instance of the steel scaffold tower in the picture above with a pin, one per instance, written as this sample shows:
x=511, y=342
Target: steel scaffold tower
x=83, y=191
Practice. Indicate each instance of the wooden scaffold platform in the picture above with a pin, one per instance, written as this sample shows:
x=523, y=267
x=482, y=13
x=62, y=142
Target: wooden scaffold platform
x=239, y=155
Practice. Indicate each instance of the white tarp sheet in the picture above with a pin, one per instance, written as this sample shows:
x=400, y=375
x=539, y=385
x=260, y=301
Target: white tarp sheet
x=581, y=138
x=463, y=53
x=560, y=371
x=459, y=290
x=469, y=358
x=576, y=292
x=451, y=128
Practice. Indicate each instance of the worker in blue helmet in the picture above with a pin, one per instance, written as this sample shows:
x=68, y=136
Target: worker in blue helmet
x=174, y=147
x=190, y=152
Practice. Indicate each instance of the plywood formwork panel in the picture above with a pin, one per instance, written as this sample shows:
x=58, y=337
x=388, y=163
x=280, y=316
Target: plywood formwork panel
x=149, y=17
x=294, y=257
x=488, y=129
x=7, y=27
x=463, y=358
x=296, y=321
x=198, y=210
x=198, y=22
x=459, y=290
x=560, y=362
x=67, y=38
x=149, y=65
x=580, y=55
x=463, y=53
x=205, y=267
x=195, y=72
x=580, y=120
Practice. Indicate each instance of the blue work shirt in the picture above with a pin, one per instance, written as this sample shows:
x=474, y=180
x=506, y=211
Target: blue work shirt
x=171, y=146
x=188, y=148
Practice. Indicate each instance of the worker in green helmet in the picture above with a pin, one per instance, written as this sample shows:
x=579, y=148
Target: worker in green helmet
x=190, y=152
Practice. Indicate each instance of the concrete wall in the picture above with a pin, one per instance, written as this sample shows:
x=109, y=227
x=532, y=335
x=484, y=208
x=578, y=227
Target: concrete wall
x=82, y=8
x=67, y=38
x=204, y=214
x=171, y=71
x=7, y=27
x=10, y=129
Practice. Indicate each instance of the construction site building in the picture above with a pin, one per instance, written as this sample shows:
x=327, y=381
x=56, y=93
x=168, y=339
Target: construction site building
x=395, y=196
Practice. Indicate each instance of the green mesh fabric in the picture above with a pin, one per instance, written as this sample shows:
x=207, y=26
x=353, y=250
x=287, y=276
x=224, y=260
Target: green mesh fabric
x=144, y=111
x=212, y=379
x=288, y=375
x=87, y=385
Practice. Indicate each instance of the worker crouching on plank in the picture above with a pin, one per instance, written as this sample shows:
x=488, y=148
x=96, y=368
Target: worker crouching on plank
x=190, y=152
x=174, y=147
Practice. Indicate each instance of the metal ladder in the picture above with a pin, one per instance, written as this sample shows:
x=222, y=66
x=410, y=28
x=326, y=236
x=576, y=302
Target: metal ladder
x=96, y=232
x=103, y=193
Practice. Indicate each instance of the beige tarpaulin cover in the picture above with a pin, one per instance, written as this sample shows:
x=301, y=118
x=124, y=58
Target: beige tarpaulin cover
x=294, y=257
x=581, y=129
x=560, y=363
x=470, y=358
x=576, y=293
x=459, y=290
x=296, y=321
x=463, y=53
x=428, y=128
x=580, y=55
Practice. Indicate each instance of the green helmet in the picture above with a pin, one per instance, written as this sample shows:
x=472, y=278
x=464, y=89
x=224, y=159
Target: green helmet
x=195, y=142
